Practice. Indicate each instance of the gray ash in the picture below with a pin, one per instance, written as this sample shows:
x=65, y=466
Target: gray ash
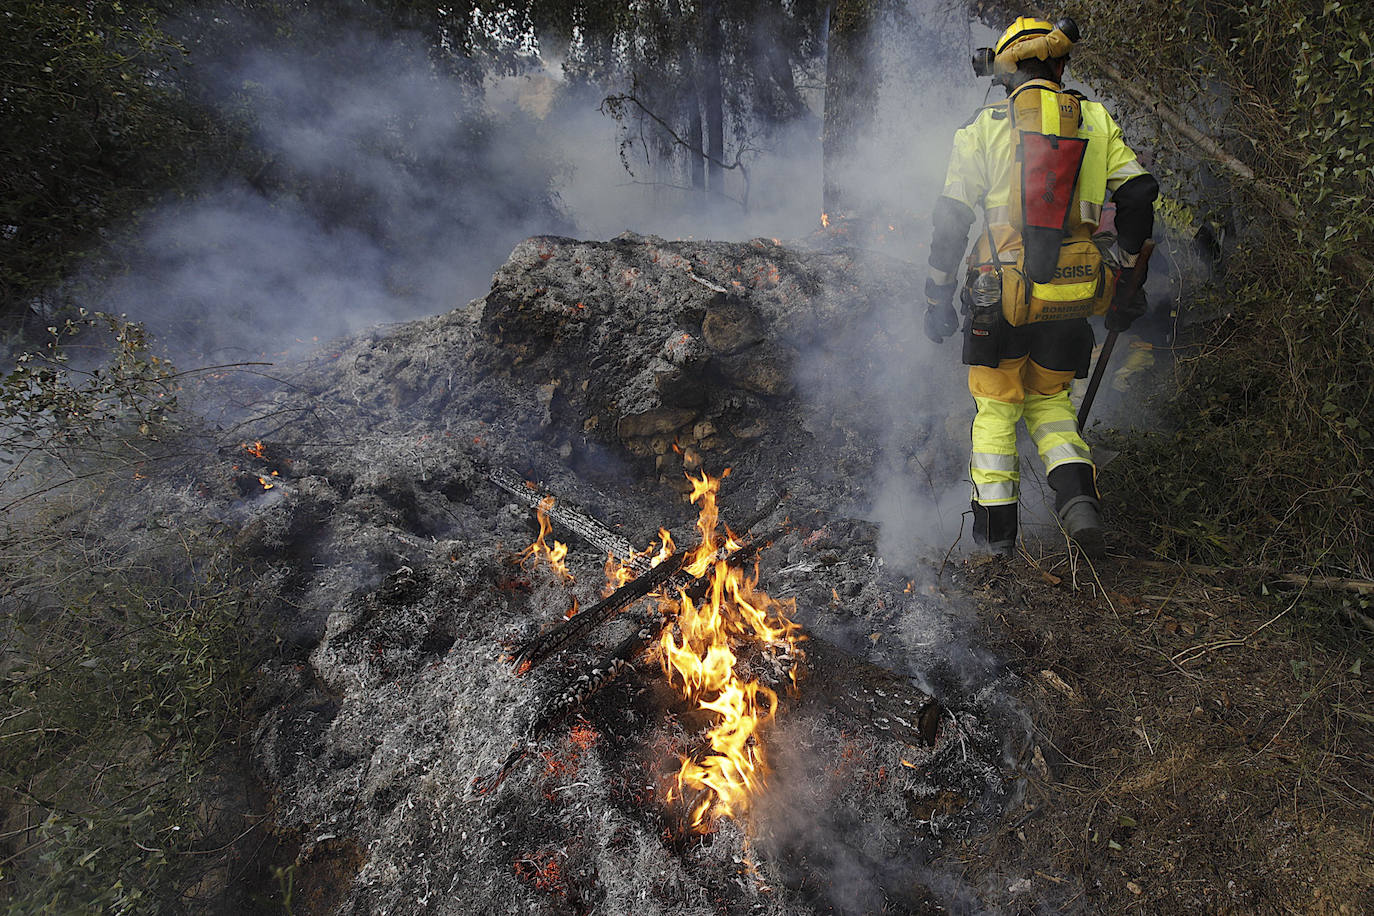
x=605, y=371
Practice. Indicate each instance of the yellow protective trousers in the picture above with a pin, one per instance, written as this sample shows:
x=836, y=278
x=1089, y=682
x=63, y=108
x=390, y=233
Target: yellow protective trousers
x=1020, y=388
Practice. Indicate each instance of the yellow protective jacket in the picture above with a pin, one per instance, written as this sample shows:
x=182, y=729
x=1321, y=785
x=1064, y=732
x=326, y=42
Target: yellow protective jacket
x=980, y=174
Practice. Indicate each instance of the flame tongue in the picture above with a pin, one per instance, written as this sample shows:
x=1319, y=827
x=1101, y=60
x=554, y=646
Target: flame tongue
x=699, y=658
x=556, y=554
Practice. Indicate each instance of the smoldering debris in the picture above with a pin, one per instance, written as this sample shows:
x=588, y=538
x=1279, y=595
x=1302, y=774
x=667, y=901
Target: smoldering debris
x=604, y=372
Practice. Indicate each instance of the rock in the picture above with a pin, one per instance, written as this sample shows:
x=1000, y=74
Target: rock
x=730, y=327
x=655, y=422
x=703, y=430
x=761, y=373
x=543, y=396
x=751, y=429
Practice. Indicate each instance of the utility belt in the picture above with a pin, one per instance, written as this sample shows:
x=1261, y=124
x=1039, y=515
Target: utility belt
x=1082, y=285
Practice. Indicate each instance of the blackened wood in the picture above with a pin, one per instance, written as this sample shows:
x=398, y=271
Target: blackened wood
x=576, y=627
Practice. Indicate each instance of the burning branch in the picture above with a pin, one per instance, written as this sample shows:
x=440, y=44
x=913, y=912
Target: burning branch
x=729, y=609
x=589, y=529
x=578, y=691
x=571, y=629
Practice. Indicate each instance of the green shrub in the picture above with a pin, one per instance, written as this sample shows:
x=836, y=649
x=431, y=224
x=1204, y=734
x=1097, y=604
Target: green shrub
x=123, y=644
x=1267, y=457
x=93, y=129
x=123, y=681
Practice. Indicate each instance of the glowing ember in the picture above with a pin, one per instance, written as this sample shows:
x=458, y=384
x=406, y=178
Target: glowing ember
x=699, y=657
x=543, y=871
x=257, y=449
x=540, y=548
x=583, y=736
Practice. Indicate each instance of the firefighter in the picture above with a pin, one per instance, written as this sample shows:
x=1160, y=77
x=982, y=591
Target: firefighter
x=1045, y=259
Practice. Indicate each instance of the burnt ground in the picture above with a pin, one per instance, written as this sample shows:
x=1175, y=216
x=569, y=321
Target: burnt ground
x=1101, y=740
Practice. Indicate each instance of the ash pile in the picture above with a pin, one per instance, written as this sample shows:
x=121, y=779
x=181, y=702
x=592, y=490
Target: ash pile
x=386, y=489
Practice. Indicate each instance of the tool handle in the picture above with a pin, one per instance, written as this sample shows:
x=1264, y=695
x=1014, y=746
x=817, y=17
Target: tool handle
x=1091, y=394
x=1142, y=269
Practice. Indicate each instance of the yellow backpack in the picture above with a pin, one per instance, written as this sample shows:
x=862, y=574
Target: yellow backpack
x=1059, y=272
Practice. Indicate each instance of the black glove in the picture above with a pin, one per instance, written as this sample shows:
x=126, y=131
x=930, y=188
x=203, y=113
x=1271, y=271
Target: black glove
x=941, y=321
x=1125, y=307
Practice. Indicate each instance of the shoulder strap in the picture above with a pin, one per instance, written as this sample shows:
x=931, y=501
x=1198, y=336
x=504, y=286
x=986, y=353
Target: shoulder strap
x=1051, y=85
x=998, y=109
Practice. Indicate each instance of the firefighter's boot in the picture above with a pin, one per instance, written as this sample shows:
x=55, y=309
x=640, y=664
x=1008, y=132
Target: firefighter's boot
x=1076, y=503
x=994, y=528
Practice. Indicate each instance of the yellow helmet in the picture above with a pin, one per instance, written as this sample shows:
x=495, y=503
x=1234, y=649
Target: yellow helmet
x=1024, y=27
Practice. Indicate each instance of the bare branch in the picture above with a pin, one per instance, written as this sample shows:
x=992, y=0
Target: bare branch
x=614, y=106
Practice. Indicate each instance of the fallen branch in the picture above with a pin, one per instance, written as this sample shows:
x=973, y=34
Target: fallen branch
x=585, y=527
x=566, y=631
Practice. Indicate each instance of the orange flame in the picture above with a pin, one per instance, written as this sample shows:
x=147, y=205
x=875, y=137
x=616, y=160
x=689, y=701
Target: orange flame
x=257, y=449
x=540, y=548
x=702, y=663
x=618, y=572
x=825, y=220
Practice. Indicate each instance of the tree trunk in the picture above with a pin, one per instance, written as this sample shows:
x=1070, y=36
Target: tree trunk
x=694, y=144
x=713, y=95
x=851, y=101
x=689, y=61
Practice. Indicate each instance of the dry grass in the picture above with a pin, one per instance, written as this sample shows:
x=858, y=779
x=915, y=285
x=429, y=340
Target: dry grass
x=1195, y=748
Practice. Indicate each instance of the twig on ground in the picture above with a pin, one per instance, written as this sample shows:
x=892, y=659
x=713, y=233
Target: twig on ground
x=1193, y=653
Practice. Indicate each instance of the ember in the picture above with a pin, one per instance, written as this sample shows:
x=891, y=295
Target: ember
x=583, y=735
x=543, y=871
